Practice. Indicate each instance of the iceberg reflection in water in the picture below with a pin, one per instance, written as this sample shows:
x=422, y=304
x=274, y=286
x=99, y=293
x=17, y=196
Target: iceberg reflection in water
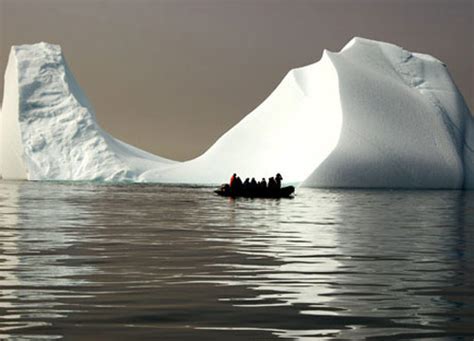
x=142, y=261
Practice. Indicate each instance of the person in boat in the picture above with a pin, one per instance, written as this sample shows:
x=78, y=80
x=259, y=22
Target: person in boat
x=278, y=179
x=238, y=185
x=232, y=180
x=253, y=184
x=252, y=187
x=272, y=185
x=245, y=186
x=262, y=185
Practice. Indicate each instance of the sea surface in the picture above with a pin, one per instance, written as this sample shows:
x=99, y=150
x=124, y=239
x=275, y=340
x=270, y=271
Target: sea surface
x=147, y=262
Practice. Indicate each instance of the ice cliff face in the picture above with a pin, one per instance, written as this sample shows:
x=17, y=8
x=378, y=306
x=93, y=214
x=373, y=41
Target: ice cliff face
x=371, y=115
x=48, y=129
x=405, y=124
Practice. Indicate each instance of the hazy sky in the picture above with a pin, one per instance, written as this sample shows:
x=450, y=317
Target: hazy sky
x=171, y=76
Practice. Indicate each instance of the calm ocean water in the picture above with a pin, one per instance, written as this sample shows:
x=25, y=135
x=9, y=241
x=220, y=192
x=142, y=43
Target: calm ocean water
x=129, y=262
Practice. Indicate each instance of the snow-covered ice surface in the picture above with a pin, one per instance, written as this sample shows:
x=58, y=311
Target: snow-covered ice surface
x=371, y=115
x=291, y=132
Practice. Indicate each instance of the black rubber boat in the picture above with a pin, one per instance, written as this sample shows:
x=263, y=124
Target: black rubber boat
x=284, y=192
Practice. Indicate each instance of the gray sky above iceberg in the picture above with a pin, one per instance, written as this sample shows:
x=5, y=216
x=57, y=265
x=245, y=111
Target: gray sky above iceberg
x=172, y=76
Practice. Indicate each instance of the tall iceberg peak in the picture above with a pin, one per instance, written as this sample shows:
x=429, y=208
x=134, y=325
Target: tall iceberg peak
x=49, y=130
x=371, y=115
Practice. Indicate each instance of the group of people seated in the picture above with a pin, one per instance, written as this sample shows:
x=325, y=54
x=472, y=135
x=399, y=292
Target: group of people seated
x=252, y=186
x=237, y=184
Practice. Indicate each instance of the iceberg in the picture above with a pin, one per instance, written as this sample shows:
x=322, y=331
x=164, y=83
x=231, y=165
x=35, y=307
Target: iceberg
x=372, y=115
x=405, y=124
x=48, y=129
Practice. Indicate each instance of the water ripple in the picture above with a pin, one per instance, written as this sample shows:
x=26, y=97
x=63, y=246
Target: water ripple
x=135, y=261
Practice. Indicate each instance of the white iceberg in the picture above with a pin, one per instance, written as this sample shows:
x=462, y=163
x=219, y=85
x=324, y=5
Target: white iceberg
x=372, y=115
x=48, y=129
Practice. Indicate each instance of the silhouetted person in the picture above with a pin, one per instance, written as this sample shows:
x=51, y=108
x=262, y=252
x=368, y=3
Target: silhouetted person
x=253, y=184
x=251, y=187
x=246, y=185
x=262, y=185
x=278, y=179
x=272, y=185
x=237, y=185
